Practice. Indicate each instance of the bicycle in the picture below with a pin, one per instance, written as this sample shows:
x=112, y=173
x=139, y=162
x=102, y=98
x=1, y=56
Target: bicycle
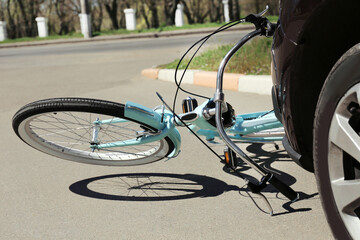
x=113, y=134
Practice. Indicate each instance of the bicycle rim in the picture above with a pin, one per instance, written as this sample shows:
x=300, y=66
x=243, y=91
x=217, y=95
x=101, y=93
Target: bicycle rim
x=69, y=135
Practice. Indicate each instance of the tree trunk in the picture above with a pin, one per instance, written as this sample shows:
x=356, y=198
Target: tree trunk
x=112, y=12
x=214, y=11
x=188, y=13
x=62, y=13
x=231, y=15
x=169, y=11
x=97, y=20
x=25, y=18
x=154, y=14
x=236, y=9
x=257, y=6
x=2, y=11
x=12, y=26
x=49, y=11
x=143, y=13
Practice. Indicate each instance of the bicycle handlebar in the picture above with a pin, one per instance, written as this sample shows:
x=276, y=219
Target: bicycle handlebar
x=265, y=28
x=284, y=189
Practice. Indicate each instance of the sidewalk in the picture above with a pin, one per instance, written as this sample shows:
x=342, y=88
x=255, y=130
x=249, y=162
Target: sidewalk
x=259, y=84
x=123, y=36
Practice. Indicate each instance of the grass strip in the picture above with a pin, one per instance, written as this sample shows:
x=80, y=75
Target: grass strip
x=253, y=59
x=122, y=31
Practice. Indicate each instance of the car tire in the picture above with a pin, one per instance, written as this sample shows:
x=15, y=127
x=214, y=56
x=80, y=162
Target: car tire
x=337, y=146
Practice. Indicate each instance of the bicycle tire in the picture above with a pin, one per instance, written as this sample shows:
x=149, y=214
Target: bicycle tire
x=62, y=127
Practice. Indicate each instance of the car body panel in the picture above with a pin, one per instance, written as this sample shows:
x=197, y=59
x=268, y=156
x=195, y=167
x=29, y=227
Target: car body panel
x=310, y=37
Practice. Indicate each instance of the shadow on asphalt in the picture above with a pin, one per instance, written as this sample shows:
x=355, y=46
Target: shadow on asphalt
x=168, y=187
x=151, y=187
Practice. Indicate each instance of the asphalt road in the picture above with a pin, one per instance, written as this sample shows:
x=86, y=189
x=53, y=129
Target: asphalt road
x=190, y=197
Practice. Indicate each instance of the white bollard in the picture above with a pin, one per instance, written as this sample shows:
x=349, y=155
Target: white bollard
x=179, y=16
x=130, y=18
x=42, y=26
x=85, y=24
x=226, y=10
x=3, y=32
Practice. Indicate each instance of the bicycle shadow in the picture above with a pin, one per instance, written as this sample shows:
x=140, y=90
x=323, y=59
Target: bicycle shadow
x=265, y=155
x=168, y=187
x=150, y=187
x=265, y=158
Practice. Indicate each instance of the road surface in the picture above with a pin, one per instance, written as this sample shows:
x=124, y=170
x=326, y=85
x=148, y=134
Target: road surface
x=189, y=197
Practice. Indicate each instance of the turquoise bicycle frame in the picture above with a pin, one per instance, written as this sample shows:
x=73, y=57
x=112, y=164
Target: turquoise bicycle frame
x=165, y=123
x=260, y=121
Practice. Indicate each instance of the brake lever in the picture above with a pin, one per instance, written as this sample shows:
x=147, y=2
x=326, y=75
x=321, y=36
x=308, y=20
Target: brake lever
x=267, y=203
x=263, y=12
x=267, y=28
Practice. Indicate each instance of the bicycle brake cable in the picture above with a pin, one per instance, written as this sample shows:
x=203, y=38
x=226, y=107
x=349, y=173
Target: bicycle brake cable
x=202, y=41
x=197, y=136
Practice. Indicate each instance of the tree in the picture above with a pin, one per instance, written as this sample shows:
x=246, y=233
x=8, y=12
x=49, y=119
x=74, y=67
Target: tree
x=2, y=10
x=12, y=27
x=169, y=11
x=195, y=10
x=29, y=11
x=20, y=16
x=236, y=10
x=96, y=15
x=215, y=7
x=154, y=13
x=144, y=14
x=151, y=5
x=67, y=10
x=111, y=7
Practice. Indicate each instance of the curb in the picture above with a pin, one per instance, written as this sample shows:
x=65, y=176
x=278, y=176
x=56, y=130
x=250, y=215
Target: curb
x=258, y=84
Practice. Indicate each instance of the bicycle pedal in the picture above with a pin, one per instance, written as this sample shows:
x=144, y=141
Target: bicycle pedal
x=189, y=104
x=230, y=158
x=276, y=146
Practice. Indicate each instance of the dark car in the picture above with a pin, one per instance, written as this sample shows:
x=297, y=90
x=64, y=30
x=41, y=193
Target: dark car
x=316, y=95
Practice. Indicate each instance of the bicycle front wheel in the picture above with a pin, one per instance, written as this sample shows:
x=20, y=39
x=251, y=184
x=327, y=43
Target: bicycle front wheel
x=64, y=127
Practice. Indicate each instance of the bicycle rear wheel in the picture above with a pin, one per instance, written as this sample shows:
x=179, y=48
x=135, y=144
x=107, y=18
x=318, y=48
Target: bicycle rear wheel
x=63, y=127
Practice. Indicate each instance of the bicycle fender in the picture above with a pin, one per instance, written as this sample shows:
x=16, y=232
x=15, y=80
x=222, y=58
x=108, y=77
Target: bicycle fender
x=143, y=114
x=146, y=115
x=175, y=137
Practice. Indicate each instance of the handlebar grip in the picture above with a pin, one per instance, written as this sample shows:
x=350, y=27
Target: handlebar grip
x=284, y=189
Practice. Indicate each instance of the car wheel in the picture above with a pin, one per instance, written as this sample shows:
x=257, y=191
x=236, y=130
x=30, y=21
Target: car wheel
x=337, y=146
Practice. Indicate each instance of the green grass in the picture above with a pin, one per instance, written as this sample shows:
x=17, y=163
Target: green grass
x=160, y=29
x=253, y=59
x=112, y=32
x=31, y=39
x=122, y=31
x=170, y=28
